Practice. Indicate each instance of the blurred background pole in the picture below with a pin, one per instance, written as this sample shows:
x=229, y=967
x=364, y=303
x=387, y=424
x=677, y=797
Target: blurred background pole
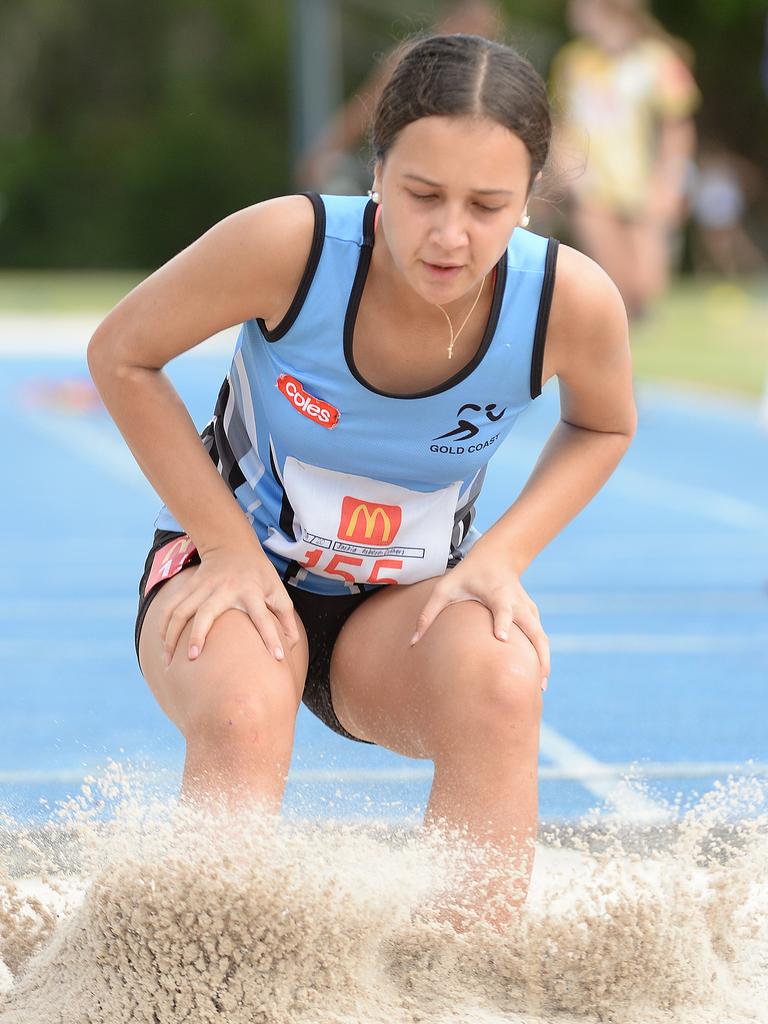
x=316, y=69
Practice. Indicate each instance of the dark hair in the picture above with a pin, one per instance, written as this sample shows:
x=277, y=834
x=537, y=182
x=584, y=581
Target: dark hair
x=464, y=75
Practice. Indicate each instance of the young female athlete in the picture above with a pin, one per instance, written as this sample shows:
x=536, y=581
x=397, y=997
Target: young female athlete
x=316, y=542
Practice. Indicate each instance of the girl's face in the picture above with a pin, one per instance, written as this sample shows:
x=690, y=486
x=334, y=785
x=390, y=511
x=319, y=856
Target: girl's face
x=452, y=190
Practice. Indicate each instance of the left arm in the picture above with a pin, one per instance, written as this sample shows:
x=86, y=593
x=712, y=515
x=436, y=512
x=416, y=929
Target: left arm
x=590, y=354
x=589, y=337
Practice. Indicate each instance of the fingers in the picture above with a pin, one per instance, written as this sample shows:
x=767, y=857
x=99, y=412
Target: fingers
x=265, y=622
x=282, y=608
x=428, y=614
x=204, y=609
x=174, y=618
x=526, y=617
x=531, y=626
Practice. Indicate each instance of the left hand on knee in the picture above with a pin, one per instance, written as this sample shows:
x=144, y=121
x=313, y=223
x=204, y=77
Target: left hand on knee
x=481, y=578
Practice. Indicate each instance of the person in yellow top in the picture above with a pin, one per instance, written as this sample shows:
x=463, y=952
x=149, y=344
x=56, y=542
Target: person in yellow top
x=624, y=94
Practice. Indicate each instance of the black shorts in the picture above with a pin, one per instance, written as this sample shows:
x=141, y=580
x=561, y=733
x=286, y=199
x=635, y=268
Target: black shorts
x=323, y=616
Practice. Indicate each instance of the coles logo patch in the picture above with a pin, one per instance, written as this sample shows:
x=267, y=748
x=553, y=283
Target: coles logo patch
x=368, y=522
x=313, y=408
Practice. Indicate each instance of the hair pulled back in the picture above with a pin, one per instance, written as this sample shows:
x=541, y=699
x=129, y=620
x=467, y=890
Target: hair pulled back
x=468, y=75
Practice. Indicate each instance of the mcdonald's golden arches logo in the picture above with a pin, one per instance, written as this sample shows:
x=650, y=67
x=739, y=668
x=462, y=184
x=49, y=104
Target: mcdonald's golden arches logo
x=367, y=522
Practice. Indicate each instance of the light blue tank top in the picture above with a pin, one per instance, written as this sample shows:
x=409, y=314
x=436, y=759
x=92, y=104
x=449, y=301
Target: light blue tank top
x=349, y=487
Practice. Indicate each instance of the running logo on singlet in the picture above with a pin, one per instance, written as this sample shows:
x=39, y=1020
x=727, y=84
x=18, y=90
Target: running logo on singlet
x=313, y=408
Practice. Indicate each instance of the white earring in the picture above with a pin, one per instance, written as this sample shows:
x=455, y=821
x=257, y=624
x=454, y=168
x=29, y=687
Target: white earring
x=525, y=220
x=374, y=196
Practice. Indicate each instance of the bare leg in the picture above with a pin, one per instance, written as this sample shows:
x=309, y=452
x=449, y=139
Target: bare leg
x=465, y=701
x=492, y=792
x=235, y=705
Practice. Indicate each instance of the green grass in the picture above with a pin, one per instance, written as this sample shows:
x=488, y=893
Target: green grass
x=711, y=334
x=69, y=291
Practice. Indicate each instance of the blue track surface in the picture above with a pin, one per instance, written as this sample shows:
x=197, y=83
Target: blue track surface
x=654, y=599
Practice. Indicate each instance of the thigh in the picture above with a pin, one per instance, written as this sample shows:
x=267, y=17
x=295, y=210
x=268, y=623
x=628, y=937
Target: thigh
x=234, y=674
x=323, y=616
x=410, y=699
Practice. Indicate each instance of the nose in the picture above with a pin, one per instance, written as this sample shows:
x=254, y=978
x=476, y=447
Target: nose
x=449, y=231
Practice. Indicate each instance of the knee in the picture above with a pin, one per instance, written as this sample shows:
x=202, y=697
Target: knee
x=511, y=701
x=502, y=697
x=233, y=720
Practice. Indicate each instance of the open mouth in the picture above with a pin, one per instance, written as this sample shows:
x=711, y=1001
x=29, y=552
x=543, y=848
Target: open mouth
x=443, y=270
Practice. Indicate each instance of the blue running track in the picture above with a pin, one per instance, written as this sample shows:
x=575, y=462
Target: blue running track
x=654, y=599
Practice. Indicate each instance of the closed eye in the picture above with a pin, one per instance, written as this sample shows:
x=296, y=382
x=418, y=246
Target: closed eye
x=480, y=206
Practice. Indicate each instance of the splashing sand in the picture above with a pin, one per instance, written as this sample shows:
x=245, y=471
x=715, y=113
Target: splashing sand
x=161, y=914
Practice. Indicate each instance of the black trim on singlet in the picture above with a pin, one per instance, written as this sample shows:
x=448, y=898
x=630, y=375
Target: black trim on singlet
x=545, y=303
x=292, y=569
x=313, y=260
x=287, y=515
x=221, y=450
x=364, y=262
x=466, y=522
x=206, y=434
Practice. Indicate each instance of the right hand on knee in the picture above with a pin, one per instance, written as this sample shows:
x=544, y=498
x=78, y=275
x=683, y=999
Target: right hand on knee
x=230, y=578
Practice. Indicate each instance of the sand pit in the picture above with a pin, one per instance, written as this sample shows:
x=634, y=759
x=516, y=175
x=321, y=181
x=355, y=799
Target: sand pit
x=161, y=915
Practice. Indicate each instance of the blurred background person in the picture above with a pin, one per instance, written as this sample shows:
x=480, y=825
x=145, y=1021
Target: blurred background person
x=334, y=162
x=624, y=96
x=724, y=184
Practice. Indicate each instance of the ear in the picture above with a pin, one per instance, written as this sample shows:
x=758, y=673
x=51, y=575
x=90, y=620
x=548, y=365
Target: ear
x=378, y=169
x=532, y=188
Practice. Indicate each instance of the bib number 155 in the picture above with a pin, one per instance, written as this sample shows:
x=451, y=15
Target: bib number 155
x=332, y=567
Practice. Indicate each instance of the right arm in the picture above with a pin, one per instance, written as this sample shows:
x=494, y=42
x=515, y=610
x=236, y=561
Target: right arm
x=249, y=264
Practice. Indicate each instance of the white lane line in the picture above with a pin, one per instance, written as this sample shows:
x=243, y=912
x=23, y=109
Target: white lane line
x=35, y=336
x=691, y=500
x=28, y=609
x=654, y=643
x=629, y=804
x=728, y=602
x=559, y=643
x=607, y=771
x=62, y=650
x=41, y=335
x=577, y=602
x=113, y=455
x=689, y=769
x=31, y=778
x=91, y=443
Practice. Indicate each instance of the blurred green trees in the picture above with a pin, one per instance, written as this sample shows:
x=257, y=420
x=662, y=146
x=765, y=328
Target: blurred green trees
x=127, y=127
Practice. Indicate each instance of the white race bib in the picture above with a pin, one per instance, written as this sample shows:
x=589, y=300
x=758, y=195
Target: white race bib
x=360, y=530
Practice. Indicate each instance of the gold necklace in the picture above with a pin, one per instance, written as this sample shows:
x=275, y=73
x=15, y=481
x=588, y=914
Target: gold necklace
x=469, y=314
